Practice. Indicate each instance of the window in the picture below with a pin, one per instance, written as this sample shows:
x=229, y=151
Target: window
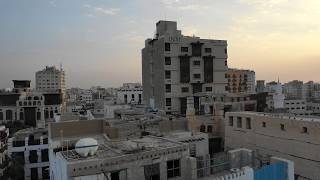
x=208, y=89
x=168, y=88
x=167, y=61
x=196, y=63
x=304, y=130
x=226, y=51
x=196, y=76
x=225, y=63
x=239, y=122
x=264, y=124
x=132, y=96
x=208, y=50
x=230, y=121
x=173, y=168
x=167, y=47
x=168, y=101
x=282, y=127
x=248, y=123
x=209, y=129
x=168, y=74
x=184, y=89
x=202, y=128
x=184, y=49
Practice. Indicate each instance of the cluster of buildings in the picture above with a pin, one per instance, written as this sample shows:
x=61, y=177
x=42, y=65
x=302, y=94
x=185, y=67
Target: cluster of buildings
x=192, y=118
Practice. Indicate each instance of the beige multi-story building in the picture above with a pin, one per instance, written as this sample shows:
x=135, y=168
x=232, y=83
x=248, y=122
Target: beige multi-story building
x=241, y=81
x=175, y=66
x=286, y=136
x=293, y=89
x=50, y=79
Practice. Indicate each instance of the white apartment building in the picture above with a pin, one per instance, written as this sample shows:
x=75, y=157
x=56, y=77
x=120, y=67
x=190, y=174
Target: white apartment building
x=30, y=148
x=130, y=93
x=175, y=66
x=85, y=96
x=51, y=79
x=282, y=135
x=32, y=108
x=241, y=81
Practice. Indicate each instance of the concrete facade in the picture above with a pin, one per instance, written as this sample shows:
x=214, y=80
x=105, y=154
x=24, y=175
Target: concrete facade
x=288, y=137
x=241, y=81
x=175, y=66
x=50, y=79
x=31, y=146
x=130, y=93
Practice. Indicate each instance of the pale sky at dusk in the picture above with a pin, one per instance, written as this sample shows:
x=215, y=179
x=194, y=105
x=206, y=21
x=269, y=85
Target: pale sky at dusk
x=99, y=42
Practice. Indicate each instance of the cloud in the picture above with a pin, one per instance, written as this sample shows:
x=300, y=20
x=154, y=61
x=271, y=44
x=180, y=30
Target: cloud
x=106, y=11
x=96, y=10
x=193, y=7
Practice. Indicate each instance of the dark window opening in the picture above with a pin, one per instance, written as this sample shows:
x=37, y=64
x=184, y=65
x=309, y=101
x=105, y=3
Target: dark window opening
x=196, y=63
x=239, y=122
x=230, y=121
x=248, y=123
x=184, y=49
x=168, y=88
x=168, y=101
x=208, y=89
x=196, y=76
x=173, y=168
x=208, y=50
x=168, y=74
x=167, y=61
x=167, y=47
x=184, y=89
x=304, y=130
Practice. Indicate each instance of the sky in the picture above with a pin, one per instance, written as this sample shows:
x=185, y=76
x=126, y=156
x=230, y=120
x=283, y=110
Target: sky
x=99, y=42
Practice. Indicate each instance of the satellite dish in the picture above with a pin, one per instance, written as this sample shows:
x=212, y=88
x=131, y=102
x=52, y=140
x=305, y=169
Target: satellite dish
x=86, y=147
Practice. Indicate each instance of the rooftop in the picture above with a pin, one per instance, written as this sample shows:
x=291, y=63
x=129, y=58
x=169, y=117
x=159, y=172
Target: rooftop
x=281, y=116
x=112, y=149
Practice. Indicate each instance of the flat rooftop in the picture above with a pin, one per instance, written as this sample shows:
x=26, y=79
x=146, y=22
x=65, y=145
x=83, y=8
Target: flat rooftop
x=112, y=149
x=281, y=116
x=36, y=132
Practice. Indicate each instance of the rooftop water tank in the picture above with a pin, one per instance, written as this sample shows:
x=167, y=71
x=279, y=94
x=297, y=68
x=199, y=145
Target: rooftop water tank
x=86, y=147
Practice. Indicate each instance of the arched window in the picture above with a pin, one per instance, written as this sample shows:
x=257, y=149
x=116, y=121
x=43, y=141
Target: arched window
x=38, y=115
x=46, y=114
x=202, y=128
x=21, y=116
x=51, y=114
x=9, y=115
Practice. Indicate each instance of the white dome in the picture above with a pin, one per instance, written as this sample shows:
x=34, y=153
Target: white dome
x=86, y=146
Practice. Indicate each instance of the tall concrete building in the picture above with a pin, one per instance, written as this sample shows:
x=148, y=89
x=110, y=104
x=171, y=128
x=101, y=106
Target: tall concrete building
x=241, y=81
x=260, y=87
x=175, y=67
x=293, y=89
x=50, y=79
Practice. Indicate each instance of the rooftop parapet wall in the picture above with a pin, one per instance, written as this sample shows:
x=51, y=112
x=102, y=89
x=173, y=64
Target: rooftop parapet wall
x=76, y=128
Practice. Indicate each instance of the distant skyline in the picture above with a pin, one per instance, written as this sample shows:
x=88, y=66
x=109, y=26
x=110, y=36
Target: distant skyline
x=99, y=42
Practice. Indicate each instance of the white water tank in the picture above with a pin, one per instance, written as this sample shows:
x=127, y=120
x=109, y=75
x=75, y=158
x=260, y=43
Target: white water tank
x=86, y=147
